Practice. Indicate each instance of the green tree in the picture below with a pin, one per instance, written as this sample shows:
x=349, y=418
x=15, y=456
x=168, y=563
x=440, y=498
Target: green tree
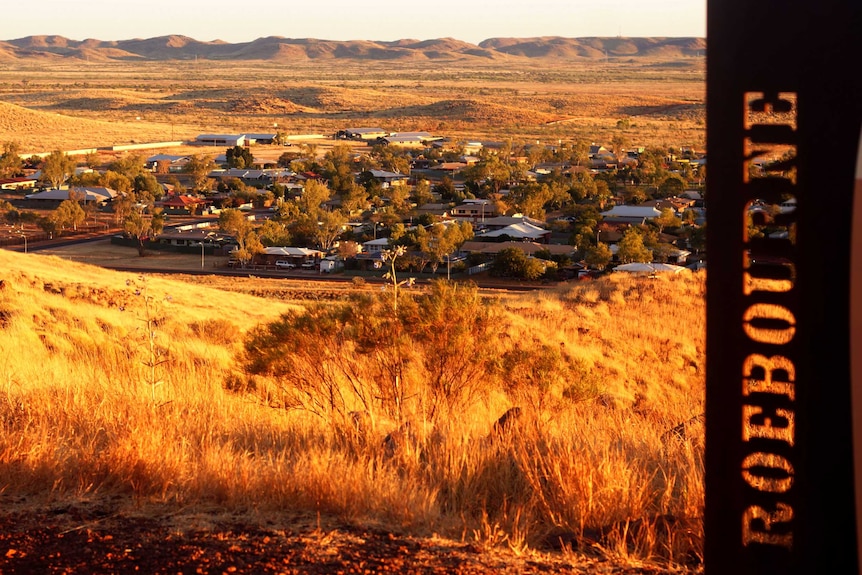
x=68, y=214
x=422, y=193
x=512, y=262
x=10, y=160
x=651, y=166
x=235, y=223
x=142, y=227
x=673, y=185
x=632, y=248
x=330, y=226
x=446, y=189
x=314, y=195
x=129, y=165
x=619, y=144
x=530, y=199
x=338, y=167
x=239, y=157
x=146, y=183
x=92, y=160
x=444, y=239
x=598, y=256
x=667, y=219
x=199, y=168
x=273, y=233
x=56, y=168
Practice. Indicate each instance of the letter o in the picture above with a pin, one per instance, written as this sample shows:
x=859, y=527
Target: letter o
x=773, y=312
x=770, y=461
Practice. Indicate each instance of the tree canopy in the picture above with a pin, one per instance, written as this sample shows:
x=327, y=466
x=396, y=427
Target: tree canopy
x=56, y=168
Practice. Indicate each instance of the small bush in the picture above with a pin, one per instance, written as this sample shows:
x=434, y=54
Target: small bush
x=218, y=331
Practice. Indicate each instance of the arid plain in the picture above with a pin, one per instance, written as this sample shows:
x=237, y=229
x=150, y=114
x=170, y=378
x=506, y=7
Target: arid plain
x=71, y=103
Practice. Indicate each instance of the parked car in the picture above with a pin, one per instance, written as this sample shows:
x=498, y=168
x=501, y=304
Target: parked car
x=308, y=265
x=285, y=265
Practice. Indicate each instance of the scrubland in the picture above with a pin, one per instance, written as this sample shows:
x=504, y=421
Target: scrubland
x=78, y=105
x=145, y=390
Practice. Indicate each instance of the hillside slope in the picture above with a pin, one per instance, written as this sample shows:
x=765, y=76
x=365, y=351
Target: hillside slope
x=123, y=391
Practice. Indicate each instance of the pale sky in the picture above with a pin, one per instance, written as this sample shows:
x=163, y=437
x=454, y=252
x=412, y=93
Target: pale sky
x=243, y=21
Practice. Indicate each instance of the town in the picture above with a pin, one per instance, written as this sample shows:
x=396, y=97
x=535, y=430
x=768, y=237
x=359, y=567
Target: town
x=340, y=203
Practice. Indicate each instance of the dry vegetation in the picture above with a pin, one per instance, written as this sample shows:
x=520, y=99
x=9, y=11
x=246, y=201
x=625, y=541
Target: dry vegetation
x=122, y=388
x=76, y=104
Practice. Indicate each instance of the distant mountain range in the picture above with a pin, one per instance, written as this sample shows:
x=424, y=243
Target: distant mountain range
x=277, y=49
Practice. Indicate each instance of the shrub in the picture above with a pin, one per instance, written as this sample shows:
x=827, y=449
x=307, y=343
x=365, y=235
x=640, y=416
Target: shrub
x=433, y=357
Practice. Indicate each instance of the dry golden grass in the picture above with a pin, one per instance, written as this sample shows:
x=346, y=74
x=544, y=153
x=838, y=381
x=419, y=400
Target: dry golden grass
x=72, y=106
x=117, y=385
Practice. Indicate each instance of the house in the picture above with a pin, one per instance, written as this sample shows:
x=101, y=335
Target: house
x=529, y=248
x=638, y=268
x=305, y=258
x=254, y=177
x=90, y=194
x=375, y=246
x=630, y=214
x=521, y=231
x=200, y=237
x=362, y=134
x=434, y=209
x=450, y=168
x=174, y=163
x=181, y=204
x=474, y=210
x=676, y=204
x=409, y=139
x=402, y=141
x=21, y=183
x=387, y=179
x=260, y=138
x=597, y=151
x=500, y=222
x=331, y=264
x=224, y=140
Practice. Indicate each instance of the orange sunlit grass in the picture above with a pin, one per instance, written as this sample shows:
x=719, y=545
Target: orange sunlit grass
x=115, y=384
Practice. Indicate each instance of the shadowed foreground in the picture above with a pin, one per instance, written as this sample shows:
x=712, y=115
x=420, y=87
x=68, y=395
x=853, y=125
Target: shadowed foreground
x=92, y=539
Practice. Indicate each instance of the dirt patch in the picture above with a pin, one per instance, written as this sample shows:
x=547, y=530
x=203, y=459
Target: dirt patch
x=75, y=538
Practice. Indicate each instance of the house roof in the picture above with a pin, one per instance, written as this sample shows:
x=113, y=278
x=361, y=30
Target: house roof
x=423, y=135
x=631, y=212
x=526, y=247
x=292, y=252
x=17, y=181
x=645, y=268
x=87, y=194
x=502, y=221
x=450, y=166
x=221, y=137
x=181, y=201
x=387, y=175
x=366, y=131
x=403, y=140
x=165, y=158
x=377, y=242
x=519, y=230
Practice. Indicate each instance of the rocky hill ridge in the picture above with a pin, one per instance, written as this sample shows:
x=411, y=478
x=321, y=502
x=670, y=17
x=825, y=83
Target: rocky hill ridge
x=278, y=49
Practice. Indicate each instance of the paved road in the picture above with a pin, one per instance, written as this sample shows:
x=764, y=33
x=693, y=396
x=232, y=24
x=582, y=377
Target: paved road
x=193, y=268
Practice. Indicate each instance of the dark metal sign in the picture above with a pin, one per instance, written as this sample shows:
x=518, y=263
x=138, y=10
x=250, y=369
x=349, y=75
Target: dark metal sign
x=784, y=112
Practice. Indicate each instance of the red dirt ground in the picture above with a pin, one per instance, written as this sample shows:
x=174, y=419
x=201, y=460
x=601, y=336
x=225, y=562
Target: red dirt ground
x=81, y=539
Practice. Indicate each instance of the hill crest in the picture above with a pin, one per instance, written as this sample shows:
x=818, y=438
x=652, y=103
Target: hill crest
x=277, y=48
